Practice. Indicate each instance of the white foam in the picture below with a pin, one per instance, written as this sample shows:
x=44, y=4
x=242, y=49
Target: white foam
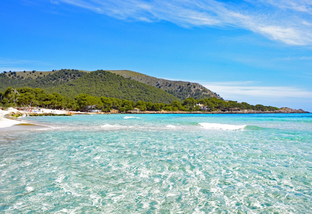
x=170, y=194
x=112, y=127
x=131, y=117
x=221, y=126
x=171, y=126
x=29, y=189
x=116, y=127
x=60, y=179
x=97, y=157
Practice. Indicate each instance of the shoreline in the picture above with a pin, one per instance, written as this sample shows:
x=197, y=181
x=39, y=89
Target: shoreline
x=7, y=122
x=281, y=111
x=12, y=124
x=219, y=112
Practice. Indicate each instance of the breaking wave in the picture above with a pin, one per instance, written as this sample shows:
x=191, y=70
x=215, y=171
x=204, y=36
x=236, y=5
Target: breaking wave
x=114, y=127
x=131, y=117
x=222, y=126
x=171, y=126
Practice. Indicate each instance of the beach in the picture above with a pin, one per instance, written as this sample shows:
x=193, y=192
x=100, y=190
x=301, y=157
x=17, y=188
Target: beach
x=4, y=122
x=8, y=123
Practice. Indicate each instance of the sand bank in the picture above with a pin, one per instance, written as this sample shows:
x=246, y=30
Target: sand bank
x=6, y=121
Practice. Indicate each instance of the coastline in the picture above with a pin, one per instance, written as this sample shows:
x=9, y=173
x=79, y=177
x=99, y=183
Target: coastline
x=280, y=111
x=6, y=121
x=215, y=112
x=9, y=123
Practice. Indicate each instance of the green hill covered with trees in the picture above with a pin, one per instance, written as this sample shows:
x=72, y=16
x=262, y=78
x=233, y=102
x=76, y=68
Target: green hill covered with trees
x=37, y=79
x=106, y=90
x=70, y=83
x=180, y=89
x=121, y=84
x=103, y=83
x=29, y=97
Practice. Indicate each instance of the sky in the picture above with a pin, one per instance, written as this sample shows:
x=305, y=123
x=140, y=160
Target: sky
x=255, y=51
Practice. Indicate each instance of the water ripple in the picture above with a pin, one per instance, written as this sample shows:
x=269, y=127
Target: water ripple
x=163, y=170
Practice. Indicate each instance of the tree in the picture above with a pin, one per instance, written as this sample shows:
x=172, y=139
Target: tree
x=260, y=107
x=12, y=95
x=5, y=101
x=197, y=108
x=86, y=102
x=245, y=105
x=149, y=106
x=190, y=103
x=141, y=105
x=127, y=105
x=122, y=109
x=157, y=107
x=25, y=99
x=167, y=108
x=176, y=105
x=210, y=106
x=107, y=103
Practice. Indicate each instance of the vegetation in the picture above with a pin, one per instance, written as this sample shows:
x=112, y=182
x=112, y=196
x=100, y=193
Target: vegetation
x=120, y=84
x=102, y=83
x=29, y=97
x=180, y=89
x=213, y=104
x=70, y=83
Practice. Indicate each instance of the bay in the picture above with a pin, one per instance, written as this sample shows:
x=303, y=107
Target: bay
x=248, y=163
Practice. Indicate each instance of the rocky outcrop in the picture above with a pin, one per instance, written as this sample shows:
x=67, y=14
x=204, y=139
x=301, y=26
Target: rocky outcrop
x=290, y=110
x=180, y=89
x=249, y=111
x=282, y=110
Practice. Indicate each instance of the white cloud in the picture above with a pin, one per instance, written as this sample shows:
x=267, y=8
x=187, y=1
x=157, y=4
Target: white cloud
x=296, y=5
x=288, y=35
x=230, y=90
x=18, y=64
x=303, y=58
x=252, y=93
x=13, y=69
x=288, y=21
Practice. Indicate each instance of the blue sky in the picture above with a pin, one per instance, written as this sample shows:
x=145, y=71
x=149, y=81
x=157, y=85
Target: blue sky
x=255, y=51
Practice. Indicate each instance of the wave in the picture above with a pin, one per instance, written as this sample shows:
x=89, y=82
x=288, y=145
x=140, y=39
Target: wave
x=171, y=126
x=114, y=127
x=127, y=127
x=222, y=126
x=131, y=117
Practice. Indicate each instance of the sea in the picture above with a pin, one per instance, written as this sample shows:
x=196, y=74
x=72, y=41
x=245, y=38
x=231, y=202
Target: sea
x=159, y=163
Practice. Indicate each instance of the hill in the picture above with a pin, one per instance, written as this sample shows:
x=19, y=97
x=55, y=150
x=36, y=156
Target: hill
x=38, y=79
x=70, y=83
x=180, y=89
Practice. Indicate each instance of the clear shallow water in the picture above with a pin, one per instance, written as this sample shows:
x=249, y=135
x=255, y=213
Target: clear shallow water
x=159, y=164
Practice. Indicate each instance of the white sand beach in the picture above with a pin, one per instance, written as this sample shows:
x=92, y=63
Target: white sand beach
x=45, y=111
x=4, y=122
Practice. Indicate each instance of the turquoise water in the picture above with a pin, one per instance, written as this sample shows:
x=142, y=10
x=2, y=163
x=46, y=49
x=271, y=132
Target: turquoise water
x=159, y=164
